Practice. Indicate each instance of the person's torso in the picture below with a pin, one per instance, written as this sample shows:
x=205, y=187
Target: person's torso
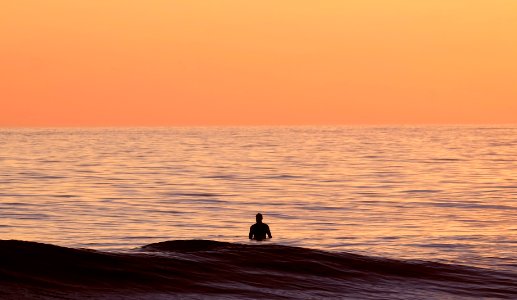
x=259, y=231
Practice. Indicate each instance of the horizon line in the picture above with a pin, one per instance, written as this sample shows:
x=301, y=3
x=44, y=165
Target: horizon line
x=262, y=125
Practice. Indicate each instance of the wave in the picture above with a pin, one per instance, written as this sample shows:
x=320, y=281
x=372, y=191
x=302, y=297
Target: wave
x=202, y=268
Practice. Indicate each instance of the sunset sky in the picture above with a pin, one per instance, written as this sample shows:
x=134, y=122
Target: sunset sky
x=235, y=62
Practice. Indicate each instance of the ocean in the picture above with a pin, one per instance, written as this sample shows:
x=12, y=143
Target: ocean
x=356, y=212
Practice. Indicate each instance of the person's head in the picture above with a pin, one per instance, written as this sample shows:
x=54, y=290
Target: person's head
x=259, y=218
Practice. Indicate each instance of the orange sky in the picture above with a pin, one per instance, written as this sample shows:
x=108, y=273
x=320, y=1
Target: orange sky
x=235, y=62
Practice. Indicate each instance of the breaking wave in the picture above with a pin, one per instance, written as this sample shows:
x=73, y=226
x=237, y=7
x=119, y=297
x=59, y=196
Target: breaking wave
x=202, y=268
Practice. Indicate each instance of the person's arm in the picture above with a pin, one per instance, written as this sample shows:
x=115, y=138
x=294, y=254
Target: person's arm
x=251, y=232
x=268, y=232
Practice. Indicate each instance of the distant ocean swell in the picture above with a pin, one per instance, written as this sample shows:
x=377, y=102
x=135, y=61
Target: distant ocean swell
x=201, y=268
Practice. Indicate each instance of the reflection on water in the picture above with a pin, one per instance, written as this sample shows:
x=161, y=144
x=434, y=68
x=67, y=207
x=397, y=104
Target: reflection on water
x=435, y=193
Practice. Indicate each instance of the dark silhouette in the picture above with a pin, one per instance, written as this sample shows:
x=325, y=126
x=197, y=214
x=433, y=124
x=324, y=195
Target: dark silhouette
x=259, y=230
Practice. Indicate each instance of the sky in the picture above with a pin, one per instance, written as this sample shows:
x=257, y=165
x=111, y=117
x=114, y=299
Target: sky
x=234, y=62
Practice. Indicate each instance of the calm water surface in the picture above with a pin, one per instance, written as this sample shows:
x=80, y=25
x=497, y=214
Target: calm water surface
x=433, y=193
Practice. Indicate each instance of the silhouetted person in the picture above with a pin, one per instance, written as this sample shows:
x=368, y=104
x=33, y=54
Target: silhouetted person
x=259, y=230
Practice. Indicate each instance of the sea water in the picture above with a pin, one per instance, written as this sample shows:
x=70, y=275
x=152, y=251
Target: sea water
x=434, y=193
